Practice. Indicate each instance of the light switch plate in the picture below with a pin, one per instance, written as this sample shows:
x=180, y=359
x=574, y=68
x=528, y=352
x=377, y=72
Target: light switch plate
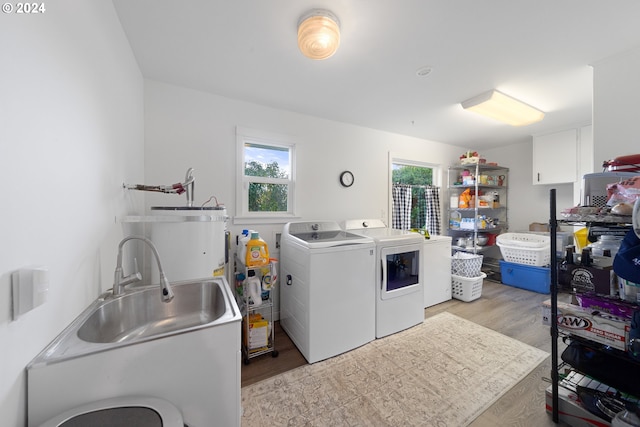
x=30, y=287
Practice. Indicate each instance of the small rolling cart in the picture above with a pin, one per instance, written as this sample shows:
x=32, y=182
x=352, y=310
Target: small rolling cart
x=253, y=290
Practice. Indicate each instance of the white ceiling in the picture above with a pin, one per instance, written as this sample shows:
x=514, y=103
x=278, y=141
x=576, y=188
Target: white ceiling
x=538, y=51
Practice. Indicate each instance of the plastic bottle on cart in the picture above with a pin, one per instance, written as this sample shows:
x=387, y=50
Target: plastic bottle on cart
x=257, y=251
x=585, y=259
x=566, y=266
x=253, y=287
x=266, y=282
x=239, y=281
x=242, y=245
x=454, y=221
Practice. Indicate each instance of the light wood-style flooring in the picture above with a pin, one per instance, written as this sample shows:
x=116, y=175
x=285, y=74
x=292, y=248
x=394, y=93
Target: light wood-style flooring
x=511, y=311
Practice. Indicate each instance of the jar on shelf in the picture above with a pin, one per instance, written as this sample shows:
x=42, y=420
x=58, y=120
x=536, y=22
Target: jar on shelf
x=604, y=241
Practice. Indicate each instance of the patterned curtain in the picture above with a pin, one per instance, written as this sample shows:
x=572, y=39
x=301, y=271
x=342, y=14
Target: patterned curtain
x=418, y=206
x=401, y=203
x=432, y=202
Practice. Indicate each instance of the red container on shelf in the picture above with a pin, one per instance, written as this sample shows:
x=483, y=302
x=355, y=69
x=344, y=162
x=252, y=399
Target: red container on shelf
x=629, y=163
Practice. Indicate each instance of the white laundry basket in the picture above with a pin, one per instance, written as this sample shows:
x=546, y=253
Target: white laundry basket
x=525, y=248
x=467, y=288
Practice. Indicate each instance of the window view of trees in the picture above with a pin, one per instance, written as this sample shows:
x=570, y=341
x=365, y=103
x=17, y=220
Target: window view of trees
x=267, y=179
x=411, y=175
x=419, y=177
x=264, y=196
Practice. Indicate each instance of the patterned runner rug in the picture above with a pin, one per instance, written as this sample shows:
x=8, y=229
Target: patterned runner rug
x=443, y=372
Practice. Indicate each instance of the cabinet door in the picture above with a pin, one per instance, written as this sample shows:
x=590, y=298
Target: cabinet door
x=555, y=158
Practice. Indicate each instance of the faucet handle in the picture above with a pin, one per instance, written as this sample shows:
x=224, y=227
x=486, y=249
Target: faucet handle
x=133, y=277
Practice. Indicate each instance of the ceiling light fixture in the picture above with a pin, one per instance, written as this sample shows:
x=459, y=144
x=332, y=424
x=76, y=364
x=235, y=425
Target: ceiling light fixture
x=318, y=34
x=502, y=107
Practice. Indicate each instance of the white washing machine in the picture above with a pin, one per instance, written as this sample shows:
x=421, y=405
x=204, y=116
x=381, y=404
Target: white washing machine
x=398, y=275
x=327, y=303
x=437, y=270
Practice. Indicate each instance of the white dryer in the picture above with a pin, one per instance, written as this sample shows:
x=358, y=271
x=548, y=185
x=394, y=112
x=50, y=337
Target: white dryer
x=398, y=275
x=327, y=303
x=437, y=270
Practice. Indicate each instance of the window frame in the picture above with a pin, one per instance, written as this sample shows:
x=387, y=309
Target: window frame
x=253, y=136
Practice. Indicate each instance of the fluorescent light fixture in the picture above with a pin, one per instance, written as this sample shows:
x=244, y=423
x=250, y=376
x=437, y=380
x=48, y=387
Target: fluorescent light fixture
x=502, y=107
x=318, y=34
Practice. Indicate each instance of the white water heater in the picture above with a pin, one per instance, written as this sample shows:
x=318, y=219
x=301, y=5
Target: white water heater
x=190, y=240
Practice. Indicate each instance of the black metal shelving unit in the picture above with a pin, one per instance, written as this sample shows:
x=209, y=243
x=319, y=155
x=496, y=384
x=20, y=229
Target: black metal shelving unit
x=555, y=333
x=555, y=379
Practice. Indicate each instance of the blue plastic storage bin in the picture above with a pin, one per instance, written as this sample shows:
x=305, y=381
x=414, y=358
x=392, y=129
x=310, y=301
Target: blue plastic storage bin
x=537, y=279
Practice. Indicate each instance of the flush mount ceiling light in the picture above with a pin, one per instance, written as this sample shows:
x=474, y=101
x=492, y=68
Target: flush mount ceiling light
x=318, y=34
x=502, y=107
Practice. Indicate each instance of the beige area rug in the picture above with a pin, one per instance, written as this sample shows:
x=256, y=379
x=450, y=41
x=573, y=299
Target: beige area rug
x=443, y=372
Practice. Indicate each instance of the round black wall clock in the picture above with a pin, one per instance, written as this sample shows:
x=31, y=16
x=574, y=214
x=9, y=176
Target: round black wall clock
x=346, y=179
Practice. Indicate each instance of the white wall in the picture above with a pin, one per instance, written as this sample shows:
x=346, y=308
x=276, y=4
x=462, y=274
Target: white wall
x=186, y=128
x=71, y=129
x=527, y=202
x=615, y=106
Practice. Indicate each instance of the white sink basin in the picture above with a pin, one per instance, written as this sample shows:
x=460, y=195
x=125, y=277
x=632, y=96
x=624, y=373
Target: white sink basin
x=186, y=352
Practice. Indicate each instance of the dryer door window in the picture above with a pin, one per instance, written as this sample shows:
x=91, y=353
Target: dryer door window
x=400, y=270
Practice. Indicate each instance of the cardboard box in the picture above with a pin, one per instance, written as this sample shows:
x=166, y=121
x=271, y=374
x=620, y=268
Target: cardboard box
x=258, y=332
x=595, y=326
x=539, y=226
x=607, y=304
x=586, y=279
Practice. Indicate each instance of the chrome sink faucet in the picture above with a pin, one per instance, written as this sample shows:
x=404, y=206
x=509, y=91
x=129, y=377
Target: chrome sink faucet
x=189, y=184
x=119, y=280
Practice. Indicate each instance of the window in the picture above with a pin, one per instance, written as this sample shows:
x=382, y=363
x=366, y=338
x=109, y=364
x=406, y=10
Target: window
x=266, y=175
x=415, y=199
x=411, y=174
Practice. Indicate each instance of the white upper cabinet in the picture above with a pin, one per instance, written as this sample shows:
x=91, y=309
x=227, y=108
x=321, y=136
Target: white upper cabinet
x=555, y=158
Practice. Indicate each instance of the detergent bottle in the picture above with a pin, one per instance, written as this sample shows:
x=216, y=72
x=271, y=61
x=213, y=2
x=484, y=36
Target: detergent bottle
x=253, y=288
x=241, y=250
x=455, y=220
x=269, y=278
x=257, y=251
